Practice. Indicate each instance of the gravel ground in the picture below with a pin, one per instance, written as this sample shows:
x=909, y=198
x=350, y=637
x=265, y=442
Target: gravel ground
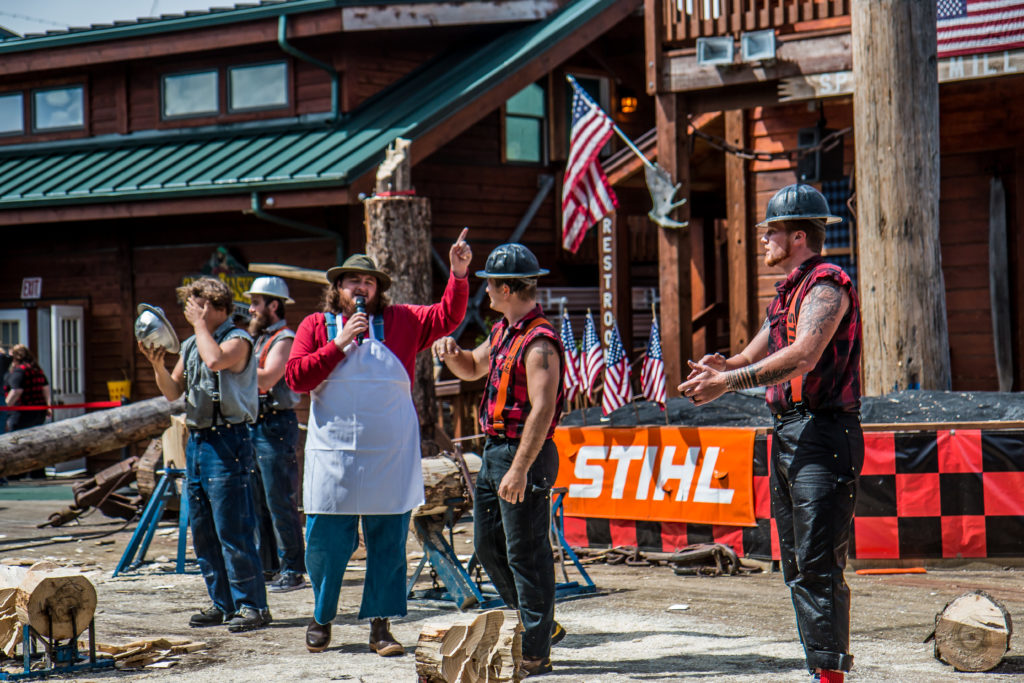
x=733, y=629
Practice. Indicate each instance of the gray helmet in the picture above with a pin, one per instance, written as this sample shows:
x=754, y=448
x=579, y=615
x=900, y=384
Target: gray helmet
x=511, y=260
x=798, y=202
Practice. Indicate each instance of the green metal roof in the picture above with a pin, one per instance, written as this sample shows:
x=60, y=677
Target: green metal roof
x=149, y=166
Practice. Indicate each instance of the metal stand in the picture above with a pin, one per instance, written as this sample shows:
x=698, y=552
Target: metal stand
x=60, y=658
x=454, y=582
x=135, y=553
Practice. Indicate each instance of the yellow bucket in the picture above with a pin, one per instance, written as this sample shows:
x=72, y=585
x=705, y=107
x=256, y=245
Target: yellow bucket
x=119, y=389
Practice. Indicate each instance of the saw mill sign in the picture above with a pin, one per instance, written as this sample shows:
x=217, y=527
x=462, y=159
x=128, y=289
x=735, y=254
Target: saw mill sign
x=963, y=68
x=665, y=474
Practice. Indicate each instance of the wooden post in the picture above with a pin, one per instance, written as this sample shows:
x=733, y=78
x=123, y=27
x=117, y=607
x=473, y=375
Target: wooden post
x=896, y=118
x=698, y=285
x=616, y=296
x=398, y=240
x=741, y=239
x=674, y=244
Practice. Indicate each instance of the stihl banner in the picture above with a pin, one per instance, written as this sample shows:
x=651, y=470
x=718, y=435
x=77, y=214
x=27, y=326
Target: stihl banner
x=664, y=474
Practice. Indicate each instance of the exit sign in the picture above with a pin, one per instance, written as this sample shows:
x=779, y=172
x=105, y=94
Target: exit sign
x=31, y=287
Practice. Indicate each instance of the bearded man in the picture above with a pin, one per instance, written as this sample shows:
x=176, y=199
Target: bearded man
x=356, y=359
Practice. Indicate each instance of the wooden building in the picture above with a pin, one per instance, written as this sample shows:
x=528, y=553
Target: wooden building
x=793, y=97
x=137, y=155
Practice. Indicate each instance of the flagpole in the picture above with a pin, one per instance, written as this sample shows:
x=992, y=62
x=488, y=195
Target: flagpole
x=615, y=127
x=654, y=317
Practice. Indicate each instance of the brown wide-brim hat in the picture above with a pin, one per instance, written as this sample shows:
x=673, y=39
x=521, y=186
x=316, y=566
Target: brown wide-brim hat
x=360, y=263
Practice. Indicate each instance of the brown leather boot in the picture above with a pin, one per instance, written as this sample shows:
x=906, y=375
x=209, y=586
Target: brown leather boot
x=381, y=640
x=318, y=636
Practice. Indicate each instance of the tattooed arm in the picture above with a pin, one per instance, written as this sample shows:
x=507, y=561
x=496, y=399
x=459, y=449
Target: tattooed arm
x=543, y=371
x=820, y=314
x=755, y=351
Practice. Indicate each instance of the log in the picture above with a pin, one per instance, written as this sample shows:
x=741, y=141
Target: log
x=482, y=647
x=45, y=594
x=442, y=480
x=972, y=633
x=89, y=434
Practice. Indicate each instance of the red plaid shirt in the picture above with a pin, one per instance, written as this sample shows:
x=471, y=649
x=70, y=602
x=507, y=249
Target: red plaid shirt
x=31, y=380
x=517, y=404
x=834, y=383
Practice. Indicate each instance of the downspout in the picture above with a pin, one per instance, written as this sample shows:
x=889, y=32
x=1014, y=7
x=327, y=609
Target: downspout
x=282, y=41
x=255, y=210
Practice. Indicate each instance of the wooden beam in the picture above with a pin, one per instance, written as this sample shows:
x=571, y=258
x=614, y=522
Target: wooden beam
x=741, y=238
x=184, y=206
x=431, y=14
x=698, y=285
x=896, y=116
x=616, y=299
x=1017, y=232
x=654, y=36
x=674, y=245
x=682, y=73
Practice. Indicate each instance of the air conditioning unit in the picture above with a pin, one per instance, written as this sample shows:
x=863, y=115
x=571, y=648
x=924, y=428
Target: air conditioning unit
x=757, y=46
x=717, y=50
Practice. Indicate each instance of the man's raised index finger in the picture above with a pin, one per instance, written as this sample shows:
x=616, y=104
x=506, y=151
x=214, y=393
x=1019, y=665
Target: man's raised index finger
x=462, y=237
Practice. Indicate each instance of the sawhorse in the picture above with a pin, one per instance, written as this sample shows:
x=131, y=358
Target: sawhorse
x=135, y=553
x=456, y=583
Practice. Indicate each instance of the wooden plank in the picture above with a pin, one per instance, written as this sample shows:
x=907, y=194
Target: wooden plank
x=740, y=238
x=674, y=245
x=793, y=58
x=654, y=36
x=398, y=16
x=698, y=285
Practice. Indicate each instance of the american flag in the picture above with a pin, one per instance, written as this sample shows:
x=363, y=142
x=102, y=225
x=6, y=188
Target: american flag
x=572, y=380
x=591, y=358
x=586, y=195
x=652, y=372
x=972, y=26
x=617, y=389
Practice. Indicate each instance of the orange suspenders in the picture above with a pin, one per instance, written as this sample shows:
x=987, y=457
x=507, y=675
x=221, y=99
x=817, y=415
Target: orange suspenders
x=266, y=350
x=797, y=383
x=497, y=421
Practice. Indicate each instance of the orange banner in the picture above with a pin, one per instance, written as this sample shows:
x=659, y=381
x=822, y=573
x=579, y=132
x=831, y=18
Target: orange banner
x=665, y=474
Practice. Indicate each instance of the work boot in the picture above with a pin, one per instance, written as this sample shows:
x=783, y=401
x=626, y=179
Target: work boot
x=536, y=667
x=557, y=633
x=318, y=636
x=248, y=619
x=211, y=616
x=287, y=581
x=381, y=640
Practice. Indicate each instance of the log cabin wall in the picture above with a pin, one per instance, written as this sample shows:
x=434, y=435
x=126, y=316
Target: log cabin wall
x=978, y=141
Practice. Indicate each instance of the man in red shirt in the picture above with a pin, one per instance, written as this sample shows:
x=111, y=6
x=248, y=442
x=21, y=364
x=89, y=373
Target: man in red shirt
x=807, y=354
x=362, y=462
x=521, y=405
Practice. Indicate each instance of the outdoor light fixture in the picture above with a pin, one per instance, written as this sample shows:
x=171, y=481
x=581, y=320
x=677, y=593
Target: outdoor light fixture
x=627, y=100
x=757, y=46
x=716, y=50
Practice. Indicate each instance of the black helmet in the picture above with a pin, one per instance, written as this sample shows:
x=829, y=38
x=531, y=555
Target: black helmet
x=798, y=202
x=510, y=261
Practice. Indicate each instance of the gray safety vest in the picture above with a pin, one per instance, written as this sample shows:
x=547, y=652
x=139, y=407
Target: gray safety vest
x=239, y=393
x=280, y=396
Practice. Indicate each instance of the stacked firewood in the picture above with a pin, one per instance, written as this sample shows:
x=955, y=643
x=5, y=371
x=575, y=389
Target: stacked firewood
x=155, y=653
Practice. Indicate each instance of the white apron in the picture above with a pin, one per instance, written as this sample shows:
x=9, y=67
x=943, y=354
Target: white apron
x=363, y=441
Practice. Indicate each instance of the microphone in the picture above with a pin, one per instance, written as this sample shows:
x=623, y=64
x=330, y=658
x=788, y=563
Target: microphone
x=360, y=308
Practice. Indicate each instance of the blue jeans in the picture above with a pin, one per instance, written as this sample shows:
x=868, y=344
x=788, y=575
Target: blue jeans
x=219, y=463
x=276, y=493
x=512, y=541
x=330, y=542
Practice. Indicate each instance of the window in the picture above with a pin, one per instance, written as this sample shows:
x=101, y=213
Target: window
x=12, y=113
x=190, y=94
x=525, y=125
x=58, y=108
x=263, y=86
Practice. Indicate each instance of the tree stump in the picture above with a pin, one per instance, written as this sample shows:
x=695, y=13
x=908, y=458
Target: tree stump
x=45, y=595
x=442, y=480
x=475, y=648
x=973, y=632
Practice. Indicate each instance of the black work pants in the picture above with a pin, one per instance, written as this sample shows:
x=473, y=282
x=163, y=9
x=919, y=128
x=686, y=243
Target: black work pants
x=816, y=459
x=512, y=541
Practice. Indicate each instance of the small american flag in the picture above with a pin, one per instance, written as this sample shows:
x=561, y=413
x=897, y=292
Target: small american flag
x=972, y=26
x=573, y=381
x=652, y=372
x=591, y=358
x=617, y=389
x=586, y=195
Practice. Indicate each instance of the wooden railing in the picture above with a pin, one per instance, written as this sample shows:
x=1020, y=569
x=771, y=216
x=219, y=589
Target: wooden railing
x=686, y=20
